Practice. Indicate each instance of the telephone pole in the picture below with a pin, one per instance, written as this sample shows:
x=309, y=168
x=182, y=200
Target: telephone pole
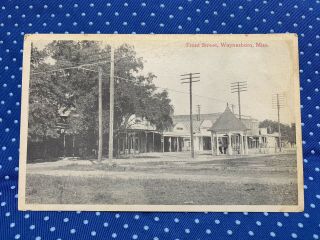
x=111, y=104
x=190, y=78
x=100, y=114
x=278, y=103
x=238, y=87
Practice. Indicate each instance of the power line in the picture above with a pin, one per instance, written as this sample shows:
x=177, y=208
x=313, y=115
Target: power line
x=197, y=95
x=92, y=64
x=107, y=77
x=174, y=90
x=126, y=79
x=66, y=68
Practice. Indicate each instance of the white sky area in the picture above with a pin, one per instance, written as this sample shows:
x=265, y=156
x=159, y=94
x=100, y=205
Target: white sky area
x=267, y=71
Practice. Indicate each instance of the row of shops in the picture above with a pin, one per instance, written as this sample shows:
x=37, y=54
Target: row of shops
x=216, y=134
x=227, y=135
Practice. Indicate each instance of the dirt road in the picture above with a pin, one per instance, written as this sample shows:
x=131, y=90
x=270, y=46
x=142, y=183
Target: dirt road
x=166, y=180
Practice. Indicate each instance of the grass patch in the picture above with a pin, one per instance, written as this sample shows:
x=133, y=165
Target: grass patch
x=42, y=189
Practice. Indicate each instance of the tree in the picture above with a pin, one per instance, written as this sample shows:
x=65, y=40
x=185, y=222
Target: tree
x=287, y=132
x=160, y=111
x=141, y=98
x=44, y=101
x=75, y=90
x=137, y=95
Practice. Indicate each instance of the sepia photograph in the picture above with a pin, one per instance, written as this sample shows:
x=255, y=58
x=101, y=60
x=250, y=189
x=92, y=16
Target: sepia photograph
x=161, y=123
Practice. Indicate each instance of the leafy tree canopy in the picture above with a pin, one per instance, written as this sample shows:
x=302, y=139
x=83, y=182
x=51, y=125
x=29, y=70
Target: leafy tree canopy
x=287, y=132
x=75, y=91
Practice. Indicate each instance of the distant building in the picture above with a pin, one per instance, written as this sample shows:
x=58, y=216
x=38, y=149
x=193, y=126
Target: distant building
x=232, y=136
x=139, y=137
x=218, y=133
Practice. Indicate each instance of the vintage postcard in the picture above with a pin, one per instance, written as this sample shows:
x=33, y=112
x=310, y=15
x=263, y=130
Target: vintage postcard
x=161, y=123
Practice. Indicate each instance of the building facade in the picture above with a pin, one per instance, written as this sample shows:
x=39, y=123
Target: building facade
x=216, y=133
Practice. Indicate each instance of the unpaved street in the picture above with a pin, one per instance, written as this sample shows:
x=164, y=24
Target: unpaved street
x=169, y=179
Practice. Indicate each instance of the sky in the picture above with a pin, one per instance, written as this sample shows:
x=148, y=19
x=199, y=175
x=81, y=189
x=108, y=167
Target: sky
x=267, y=71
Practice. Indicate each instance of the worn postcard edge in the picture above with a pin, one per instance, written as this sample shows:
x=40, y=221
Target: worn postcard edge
x=23, y=206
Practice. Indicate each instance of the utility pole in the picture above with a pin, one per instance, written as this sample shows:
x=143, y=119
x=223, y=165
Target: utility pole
x=198, y=115
x=100, y=114
x=278, y=103
x=111, y=104
x=237, y=87
x=190, y=78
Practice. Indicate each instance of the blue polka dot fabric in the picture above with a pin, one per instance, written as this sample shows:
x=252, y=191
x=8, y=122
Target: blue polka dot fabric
x=152, y=16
